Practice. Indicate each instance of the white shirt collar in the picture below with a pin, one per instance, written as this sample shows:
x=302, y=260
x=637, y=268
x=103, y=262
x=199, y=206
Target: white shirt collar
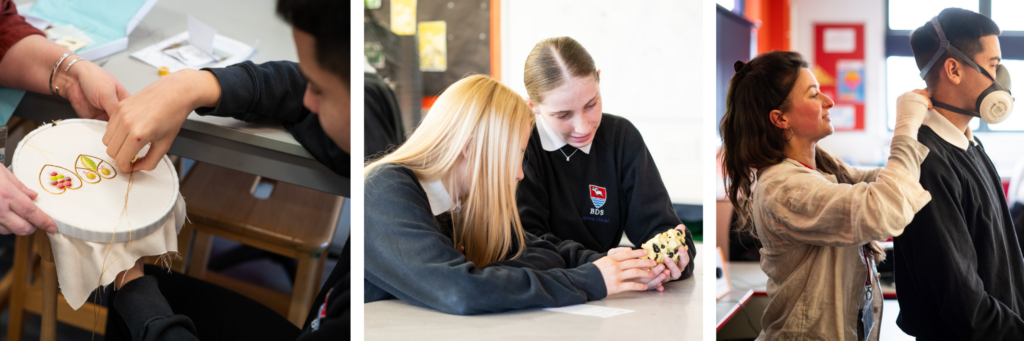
x=947, y=131
x=437, y=195
x=551, y=141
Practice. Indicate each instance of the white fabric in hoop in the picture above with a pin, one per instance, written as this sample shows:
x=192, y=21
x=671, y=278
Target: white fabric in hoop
x=78, y=261
x=86, y=212
x=90, y=210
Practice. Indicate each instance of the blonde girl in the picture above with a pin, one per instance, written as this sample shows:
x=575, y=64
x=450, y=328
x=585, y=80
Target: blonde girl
x=442, y=225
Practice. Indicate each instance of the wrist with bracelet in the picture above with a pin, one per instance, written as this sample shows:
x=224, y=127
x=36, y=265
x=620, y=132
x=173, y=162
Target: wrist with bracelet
x=55, y=90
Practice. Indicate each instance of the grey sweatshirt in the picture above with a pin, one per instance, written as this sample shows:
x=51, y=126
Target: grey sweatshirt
x=410, y=255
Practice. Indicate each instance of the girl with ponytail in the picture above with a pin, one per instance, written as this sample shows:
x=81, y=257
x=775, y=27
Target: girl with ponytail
x=817, y=218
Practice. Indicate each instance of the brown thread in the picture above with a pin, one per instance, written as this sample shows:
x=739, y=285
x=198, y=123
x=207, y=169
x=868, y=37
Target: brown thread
x=103, y=265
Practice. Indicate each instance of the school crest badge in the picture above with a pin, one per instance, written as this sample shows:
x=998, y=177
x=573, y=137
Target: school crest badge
x=598, y=195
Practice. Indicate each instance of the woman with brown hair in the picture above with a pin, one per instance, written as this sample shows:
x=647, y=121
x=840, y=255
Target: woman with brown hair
x=586, y=184
x=816, y=217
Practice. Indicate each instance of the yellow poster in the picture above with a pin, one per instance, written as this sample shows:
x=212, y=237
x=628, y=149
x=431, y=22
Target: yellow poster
x=403, y=17
x=433, y=46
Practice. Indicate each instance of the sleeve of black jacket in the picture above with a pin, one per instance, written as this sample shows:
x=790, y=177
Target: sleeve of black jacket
x=650, y=210
x=945, y=264
x=382, y=118
x=147, y=314
x=541, y=254
x=408, y=256
x=272, y=92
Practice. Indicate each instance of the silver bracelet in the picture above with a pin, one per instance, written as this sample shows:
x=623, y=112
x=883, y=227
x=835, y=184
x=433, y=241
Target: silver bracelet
x=56, y=89
x=55, y=66
x=72, y=63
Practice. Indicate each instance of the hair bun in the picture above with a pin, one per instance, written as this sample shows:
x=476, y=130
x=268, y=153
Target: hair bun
x=738, y=66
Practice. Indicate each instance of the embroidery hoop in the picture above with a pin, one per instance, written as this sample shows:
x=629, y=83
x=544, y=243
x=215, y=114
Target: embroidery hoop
x=152, y=199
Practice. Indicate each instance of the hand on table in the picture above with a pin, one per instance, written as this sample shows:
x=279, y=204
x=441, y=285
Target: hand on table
x=155, y=115
x=659, y=272
x=128, y=275
x=623, y=271
x=92, y=91
x=18, y=214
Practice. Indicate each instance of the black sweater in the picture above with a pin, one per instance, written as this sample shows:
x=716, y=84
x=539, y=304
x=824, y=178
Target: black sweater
x=556, y=201
x=410, y=255
x=273, y=92
x=959, y=270
x=382, y=118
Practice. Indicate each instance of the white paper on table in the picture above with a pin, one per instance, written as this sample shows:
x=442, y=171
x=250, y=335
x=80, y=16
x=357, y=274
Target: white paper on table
x=191, y=56
x=590, y=310
x=57, y=33
x=222, y=46
x=200, y=35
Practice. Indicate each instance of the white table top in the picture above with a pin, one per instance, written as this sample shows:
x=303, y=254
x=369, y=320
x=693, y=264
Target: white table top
x=678, y=308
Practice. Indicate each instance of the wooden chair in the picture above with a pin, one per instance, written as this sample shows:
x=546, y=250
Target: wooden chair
x=295, y=222
x=32, y=255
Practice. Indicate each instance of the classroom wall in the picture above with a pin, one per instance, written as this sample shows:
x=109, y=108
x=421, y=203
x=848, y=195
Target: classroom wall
x=871, y=146
x=649, y=61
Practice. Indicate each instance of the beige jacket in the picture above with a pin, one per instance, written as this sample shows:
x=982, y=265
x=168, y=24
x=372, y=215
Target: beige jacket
x=813, y=229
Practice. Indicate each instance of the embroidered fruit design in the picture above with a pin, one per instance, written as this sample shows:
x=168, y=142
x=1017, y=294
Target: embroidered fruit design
x=57, y=180
x=93, y=169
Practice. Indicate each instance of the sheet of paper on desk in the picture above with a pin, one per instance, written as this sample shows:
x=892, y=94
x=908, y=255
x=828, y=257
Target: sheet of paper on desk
x=590, y=310
x=200, y=35
x=199, y=50
x=228, y=51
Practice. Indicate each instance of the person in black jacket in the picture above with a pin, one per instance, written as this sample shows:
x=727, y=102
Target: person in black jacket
x=311, y=100
x=382, y=118
x=959, y=269
x=442, y=228
x=587, y=184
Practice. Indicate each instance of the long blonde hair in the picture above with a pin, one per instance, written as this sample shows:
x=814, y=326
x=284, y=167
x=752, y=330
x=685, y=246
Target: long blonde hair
x=484, y=116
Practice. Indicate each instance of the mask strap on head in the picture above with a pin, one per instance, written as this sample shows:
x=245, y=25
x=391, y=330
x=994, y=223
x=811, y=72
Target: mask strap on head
x=944, y=46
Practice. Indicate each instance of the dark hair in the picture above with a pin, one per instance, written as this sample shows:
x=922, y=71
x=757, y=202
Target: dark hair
x=750, y=141
x=962, y=28
x=328, y=21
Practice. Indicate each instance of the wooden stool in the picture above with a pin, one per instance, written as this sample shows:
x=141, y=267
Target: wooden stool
x=40, y=296
x=294, y=222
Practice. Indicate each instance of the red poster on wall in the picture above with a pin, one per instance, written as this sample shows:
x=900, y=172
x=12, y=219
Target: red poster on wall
x=840, y=70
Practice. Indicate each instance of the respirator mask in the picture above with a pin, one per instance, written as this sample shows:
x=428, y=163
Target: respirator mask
x=995, y=104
